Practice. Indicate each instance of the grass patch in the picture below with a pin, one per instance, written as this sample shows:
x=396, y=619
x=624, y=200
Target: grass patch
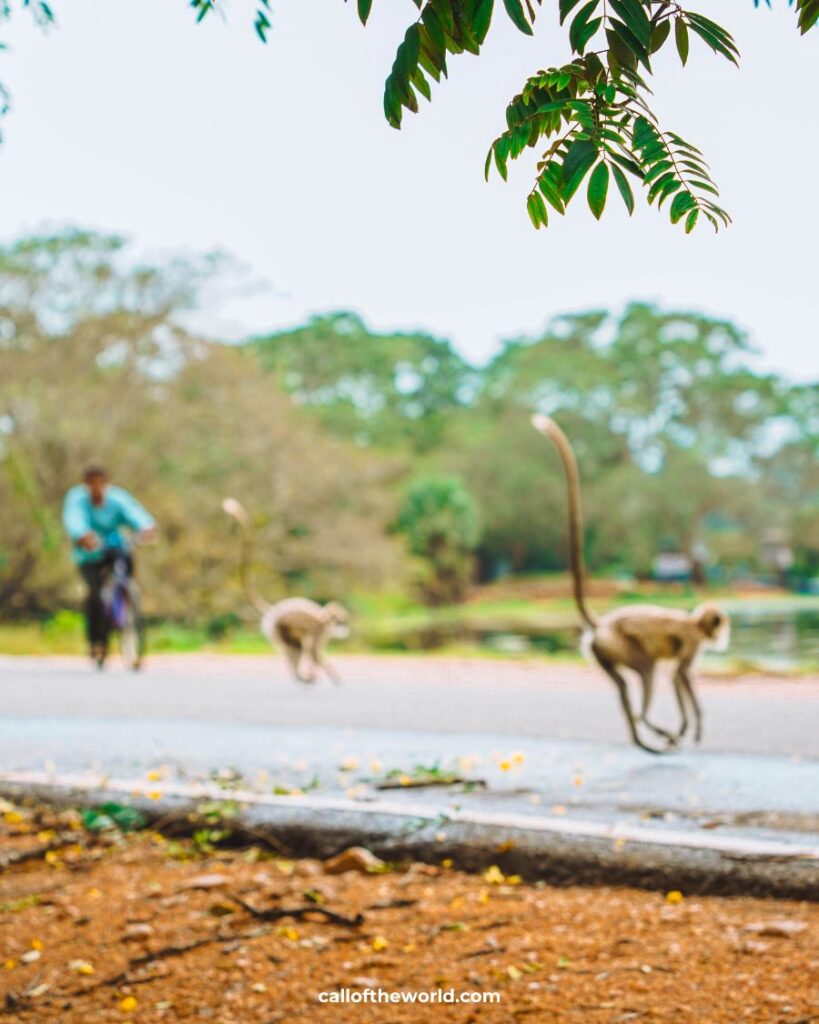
x=515, y=617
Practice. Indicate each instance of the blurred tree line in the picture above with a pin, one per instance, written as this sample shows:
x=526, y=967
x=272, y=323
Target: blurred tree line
x=96, y=366
x=369, y=458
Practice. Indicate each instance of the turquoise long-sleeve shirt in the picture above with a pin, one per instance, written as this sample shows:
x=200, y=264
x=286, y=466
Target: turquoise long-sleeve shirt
x=82, y=516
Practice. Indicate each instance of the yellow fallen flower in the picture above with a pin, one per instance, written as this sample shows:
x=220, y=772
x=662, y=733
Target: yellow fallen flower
x=493, y=875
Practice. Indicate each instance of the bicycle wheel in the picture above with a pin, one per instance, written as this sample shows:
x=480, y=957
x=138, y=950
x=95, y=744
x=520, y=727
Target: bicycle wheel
x=132, y=630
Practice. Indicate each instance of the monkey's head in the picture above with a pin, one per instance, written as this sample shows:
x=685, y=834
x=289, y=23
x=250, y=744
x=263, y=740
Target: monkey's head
x=338, y=619
x=714, y=625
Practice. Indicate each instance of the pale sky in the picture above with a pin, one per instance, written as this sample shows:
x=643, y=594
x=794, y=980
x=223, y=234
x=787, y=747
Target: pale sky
x=129, y=117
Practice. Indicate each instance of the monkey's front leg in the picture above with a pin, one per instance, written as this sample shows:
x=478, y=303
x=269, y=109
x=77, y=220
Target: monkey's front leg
x=688, y=688
x=647, y=679
x=321, y=662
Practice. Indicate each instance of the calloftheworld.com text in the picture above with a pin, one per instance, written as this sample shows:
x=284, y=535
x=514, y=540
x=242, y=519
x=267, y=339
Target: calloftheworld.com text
x=383, y=995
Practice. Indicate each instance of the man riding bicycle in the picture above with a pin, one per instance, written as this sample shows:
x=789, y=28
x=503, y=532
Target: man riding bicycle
x=94, y=513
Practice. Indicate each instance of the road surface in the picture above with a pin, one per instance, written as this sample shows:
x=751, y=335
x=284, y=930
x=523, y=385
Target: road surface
x=535, y=699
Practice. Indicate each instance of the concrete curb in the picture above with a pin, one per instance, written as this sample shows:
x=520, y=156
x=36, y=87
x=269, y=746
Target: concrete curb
x=558, y=850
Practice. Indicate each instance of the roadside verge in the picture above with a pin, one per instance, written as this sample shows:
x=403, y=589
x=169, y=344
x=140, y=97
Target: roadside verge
x=554, y=849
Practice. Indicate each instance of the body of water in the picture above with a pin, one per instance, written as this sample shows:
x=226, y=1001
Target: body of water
x=774, y=638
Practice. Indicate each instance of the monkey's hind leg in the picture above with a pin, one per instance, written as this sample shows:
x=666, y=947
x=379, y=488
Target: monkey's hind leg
x=622, y=689
x=296, y=658
x=317, y=654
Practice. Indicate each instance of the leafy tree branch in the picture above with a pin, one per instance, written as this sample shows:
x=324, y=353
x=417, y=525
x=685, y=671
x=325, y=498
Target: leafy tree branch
x=591, y=119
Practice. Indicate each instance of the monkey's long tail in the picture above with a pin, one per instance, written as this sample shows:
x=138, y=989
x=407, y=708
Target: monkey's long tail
x=546, y=425
x=236, y=509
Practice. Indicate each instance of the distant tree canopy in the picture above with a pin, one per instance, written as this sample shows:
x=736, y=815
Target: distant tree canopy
x=683, y=445
x=381, y=389
x=359, y=453
x=588, y=120
x=95, y=366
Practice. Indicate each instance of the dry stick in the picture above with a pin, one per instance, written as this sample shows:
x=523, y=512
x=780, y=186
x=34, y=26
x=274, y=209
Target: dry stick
x=613, y=970
x=176, y=818
x=13, y=857
x=300, y=913
x=165, y=953
x=449, y=780
x=392, y=905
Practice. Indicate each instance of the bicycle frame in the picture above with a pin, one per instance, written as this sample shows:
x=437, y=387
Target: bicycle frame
x=116, y=607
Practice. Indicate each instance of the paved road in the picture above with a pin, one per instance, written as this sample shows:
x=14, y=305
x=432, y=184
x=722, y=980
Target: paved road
x=546, y=739
x=450, y=695
x=543, y=744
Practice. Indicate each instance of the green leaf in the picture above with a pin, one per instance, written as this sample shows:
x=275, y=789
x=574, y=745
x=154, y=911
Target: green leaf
x=545, y=108
x=481, y=18
x=630, y=40
x=364, y=8
x=112, y=815
x=681, y=38
x=550, y=190
x=580, y=24
x=576, y=165
x=808, y=11
x=660, y=34
x=657, y=169
x=420, y=83
x=714, y=36
x=536, y=209
x=634, y=15
x=566, y=7
x=443, y=8
x=598, y=189
x=668, y=178
x=624, y=188
x=435, y=30
x=514, y=8
x=630, y=165
x=691, y=220
x=618, y=50
x=683, y=202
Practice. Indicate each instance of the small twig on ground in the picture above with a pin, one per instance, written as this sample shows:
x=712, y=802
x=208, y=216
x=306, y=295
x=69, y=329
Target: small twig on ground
x=12, y=857
x=641, y=969
x=174, y=817
x=164, y=953
x=447, y=780
x=765, y=858
x=392, y=904
x=484, y=951
x=300, y=913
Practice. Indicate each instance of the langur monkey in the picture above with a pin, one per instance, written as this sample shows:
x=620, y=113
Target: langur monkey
x=638, y=637
x=302, y=627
